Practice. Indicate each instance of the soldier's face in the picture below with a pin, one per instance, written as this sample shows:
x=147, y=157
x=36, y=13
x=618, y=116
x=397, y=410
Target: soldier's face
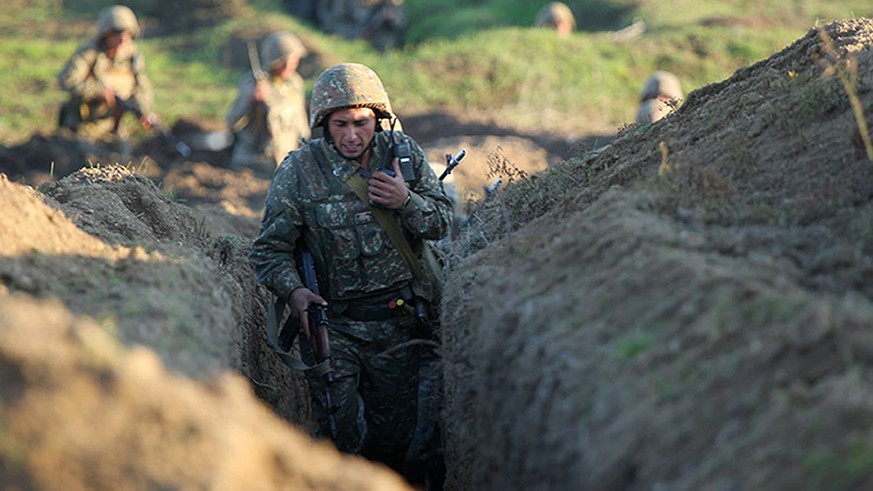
x=115, y=40
x=286, y=67
x=352, y=130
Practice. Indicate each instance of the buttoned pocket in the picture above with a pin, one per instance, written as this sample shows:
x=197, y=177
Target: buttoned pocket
x=372, y=239
x=337, y=223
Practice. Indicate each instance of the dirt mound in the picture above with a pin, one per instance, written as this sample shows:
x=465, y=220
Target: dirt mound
x=694, y=312
x=81, y=413
x=109, y=244
x=494, y=150
x=44, y=157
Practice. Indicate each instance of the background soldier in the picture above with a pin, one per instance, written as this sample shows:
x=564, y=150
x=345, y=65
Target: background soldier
x=106, y=77
x=660, y=95
x=557, y=16
x=268, y=117
x=319, y=198
x=382, y=23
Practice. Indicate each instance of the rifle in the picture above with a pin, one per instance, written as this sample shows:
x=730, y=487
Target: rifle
x=131, y=106
x=452, y=162
x=318, y=334
x=255, y=62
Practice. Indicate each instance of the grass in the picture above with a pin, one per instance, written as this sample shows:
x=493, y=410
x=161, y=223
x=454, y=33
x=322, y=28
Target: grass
x=462, y=56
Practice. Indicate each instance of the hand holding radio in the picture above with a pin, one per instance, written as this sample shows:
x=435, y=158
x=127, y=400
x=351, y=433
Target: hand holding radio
x=387, y=189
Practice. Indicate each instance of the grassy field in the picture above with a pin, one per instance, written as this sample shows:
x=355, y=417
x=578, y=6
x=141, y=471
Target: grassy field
x=481, y=56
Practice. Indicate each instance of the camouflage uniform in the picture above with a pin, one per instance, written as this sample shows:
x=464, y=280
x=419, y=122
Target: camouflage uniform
x=266, y=131
x=660, y=95
x=360, y=271
x=89, y=70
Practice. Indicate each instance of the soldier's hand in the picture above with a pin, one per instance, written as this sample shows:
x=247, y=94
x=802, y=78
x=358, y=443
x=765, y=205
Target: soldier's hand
x=300, y=300
x=390, y=192
x=261, y=92
x=107, y=95
x=148, y=121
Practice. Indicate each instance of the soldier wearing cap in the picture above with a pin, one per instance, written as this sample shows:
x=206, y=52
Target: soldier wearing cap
x=268, y=116
x=557, y=16
x=105, y=77
x=661, y=94
x=331, y=196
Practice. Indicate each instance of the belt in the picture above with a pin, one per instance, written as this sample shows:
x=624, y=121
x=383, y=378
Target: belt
x=379, y=307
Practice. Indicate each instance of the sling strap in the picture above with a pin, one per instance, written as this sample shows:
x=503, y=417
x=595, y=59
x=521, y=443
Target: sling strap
x=383, y=216
x=276, y=338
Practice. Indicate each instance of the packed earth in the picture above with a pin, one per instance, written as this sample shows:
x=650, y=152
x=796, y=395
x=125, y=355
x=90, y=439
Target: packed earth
x=682, y=305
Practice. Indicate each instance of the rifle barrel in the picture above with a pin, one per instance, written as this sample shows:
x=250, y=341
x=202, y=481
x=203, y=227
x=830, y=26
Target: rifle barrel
x=452, y=162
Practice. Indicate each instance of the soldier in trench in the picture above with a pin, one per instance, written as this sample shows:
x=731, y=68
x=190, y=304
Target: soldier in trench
x=661, y=95
x=268, y=116
x=105, y=78
x=334, y=196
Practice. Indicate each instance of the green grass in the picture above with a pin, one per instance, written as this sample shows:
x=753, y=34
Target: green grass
x=479, y=56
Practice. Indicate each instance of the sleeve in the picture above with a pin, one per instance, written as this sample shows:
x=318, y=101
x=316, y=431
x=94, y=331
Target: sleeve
x=272, y=254
x=303, y=121
x=428, y=215
x=237, y=116
x=143, y=93
x=76, y=77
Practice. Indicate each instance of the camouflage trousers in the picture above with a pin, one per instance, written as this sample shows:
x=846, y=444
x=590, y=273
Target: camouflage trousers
x=375, y=389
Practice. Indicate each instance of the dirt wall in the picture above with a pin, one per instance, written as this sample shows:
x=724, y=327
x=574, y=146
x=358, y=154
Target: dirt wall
x=79, y=412
x=696, y=314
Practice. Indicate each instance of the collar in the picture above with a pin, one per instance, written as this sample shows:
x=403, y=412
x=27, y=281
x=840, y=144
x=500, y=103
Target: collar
x=343, y=168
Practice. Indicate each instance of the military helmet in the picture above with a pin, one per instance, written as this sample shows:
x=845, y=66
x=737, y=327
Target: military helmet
x=117, y=18
x=662, y=84
x=278, y=45
x=553, y=13
x=344, y=86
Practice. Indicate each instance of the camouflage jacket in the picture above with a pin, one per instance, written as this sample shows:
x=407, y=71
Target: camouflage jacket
x=271, y=129
x=354, y=257
x=89, y=70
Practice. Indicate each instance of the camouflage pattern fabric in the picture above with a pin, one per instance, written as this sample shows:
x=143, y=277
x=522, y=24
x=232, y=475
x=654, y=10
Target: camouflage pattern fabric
x=280, y=44
x=347, y=85
x=84, y=76
x=266, y=132
x=353, y=255
x=358, y=267
x=117, y=18
x=661, y=94
x=652, y=110
x=662, y=84
x=375, y=388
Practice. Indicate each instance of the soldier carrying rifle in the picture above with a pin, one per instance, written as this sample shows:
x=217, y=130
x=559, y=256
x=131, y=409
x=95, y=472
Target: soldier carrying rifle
x=268, y=116
x=365, y=202
x=106, y=70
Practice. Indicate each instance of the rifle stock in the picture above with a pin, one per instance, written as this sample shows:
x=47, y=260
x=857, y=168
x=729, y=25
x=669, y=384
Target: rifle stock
x=318, y=336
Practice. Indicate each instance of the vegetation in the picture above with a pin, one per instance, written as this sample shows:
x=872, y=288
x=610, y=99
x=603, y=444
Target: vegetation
x=461, y=55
